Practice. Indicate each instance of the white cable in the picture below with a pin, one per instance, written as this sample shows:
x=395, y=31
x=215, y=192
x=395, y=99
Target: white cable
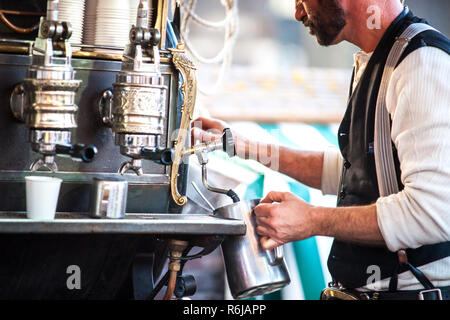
x=230, y=24
x=220, y=57
x=205, y=23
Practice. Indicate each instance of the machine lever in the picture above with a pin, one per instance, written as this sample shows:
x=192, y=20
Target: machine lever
x=163, y=156
x=228, y=143
x=77, y=151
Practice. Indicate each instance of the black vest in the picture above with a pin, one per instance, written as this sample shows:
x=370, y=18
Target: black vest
x=348, y=262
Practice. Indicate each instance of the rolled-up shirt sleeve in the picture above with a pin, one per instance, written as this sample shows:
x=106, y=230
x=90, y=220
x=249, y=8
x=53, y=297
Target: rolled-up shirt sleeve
x=331, y=170
x=418, y=100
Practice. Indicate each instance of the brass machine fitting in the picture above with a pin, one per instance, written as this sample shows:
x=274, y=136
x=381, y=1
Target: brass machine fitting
x=176, y=248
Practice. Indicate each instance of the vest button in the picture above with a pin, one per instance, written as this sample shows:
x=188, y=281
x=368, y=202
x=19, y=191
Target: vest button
x=342, y=194
x=347, y=164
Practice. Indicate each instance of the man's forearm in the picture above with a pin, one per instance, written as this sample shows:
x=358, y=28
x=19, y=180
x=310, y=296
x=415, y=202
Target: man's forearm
x=352, y=224
x=303, y=166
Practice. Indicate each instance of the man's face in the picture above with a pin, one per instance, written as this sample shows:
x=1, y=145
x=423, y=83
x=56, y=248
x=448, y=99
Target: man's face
x=325, y=19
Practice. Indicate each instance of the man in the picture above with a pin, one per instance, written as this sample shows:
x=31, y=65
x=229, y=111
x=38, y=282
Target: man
x=369, y=230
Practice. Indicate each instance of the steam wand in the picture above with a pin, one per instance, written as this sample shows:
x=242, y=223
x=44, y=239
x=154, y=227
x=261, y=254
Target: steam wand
x=229, y=192
x=201, y=151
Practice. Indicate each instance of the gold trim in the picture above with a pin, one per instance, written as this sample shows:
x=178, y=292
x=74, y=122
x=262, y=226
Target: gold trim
x=25, y=50
x=187, y=70
x=161, y=21
x=106, y=56
x=15, y=49
x=97, y=55
x=333, y=294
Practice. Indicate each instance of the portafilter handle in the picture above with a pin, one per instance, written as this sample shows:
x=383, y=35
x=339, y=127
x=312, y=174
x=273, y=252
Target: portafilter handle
x=163, y=156
x=78, y=152
x=85, y=153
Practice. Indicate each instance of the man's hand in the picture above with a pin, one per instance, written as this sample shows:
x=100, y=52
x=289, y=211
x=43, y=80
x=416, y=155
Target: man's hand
x=207, y=130
x=283, y=217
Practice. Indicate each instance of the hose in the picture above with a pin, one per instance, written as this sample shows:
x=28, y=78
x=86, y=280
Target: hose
x=14, y=28
x=165, y=278
x=176, y=248
x=171, y=285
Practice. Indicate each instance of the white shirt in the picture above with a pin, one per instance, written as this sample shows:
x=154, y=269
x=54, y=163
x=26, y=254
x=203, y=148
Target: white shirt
x=418, y=100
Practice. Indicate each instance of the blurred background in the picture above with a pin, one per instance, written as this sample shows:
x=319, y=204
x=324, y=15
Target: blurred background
x=278, y=85
x=273, y=56
x=261, y=71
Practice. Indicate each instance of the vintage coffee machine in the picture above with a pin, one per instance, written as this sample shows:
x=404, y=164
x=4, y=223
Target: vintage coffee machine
x=89, y=115
x=117, y=115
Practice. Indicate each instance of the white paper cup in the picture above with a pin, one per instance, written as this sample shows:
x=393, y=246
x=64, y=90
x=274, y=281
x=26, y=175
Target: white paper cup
x=42, y=197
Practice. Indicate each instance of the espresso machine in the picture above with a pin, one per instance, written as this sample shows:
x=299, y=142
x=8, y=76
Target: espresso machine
x=45, y=100
x=88, y=116
x=84, y=114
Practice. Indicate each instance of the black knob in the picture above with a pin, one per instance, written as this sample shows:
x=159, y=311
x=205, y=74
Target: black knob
x=155, y=37
x=159, y=155
x=77, y=151
x=228, y=142
x=67, y=30
x=185, y=286
x=86, y=153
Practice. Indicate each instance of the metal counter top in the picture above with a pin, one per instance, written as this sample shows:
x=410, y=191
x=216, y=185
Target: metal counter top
x=158, y=224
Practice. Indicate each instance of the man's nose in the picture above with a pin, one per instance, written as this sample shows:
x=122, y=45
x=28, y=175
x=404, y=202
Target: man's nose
x=300, y=11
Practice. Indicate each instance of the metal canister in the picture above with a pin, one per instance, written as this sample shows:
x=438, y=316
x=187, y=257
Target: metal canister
x=108, y=198
x=251, y=270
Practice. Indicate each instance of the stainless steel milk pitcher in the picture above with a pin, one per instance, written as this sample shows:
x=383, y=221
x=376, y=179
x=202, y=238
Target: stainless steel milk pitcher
x=251, y=270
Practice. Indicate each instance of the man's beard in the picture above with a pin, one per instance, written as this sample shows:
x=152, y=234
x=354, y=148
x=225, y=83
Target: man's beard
x=328, y=23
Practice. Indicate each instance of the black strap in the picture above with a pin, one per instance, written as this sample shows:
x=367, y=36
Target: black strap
x=420, y=276
x=433, y=294
x=393, y=283
x=403, y=261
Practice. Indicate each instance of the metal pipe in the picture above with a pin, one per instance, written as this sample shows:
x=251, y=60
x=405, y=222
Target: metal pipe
x=142, y=16
x=171, y=285
x=52, y=10
x=165, y=278
x=14, y=28
x=176, y=248
x=22, y=13
x=205, y=182
x=230, y=193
